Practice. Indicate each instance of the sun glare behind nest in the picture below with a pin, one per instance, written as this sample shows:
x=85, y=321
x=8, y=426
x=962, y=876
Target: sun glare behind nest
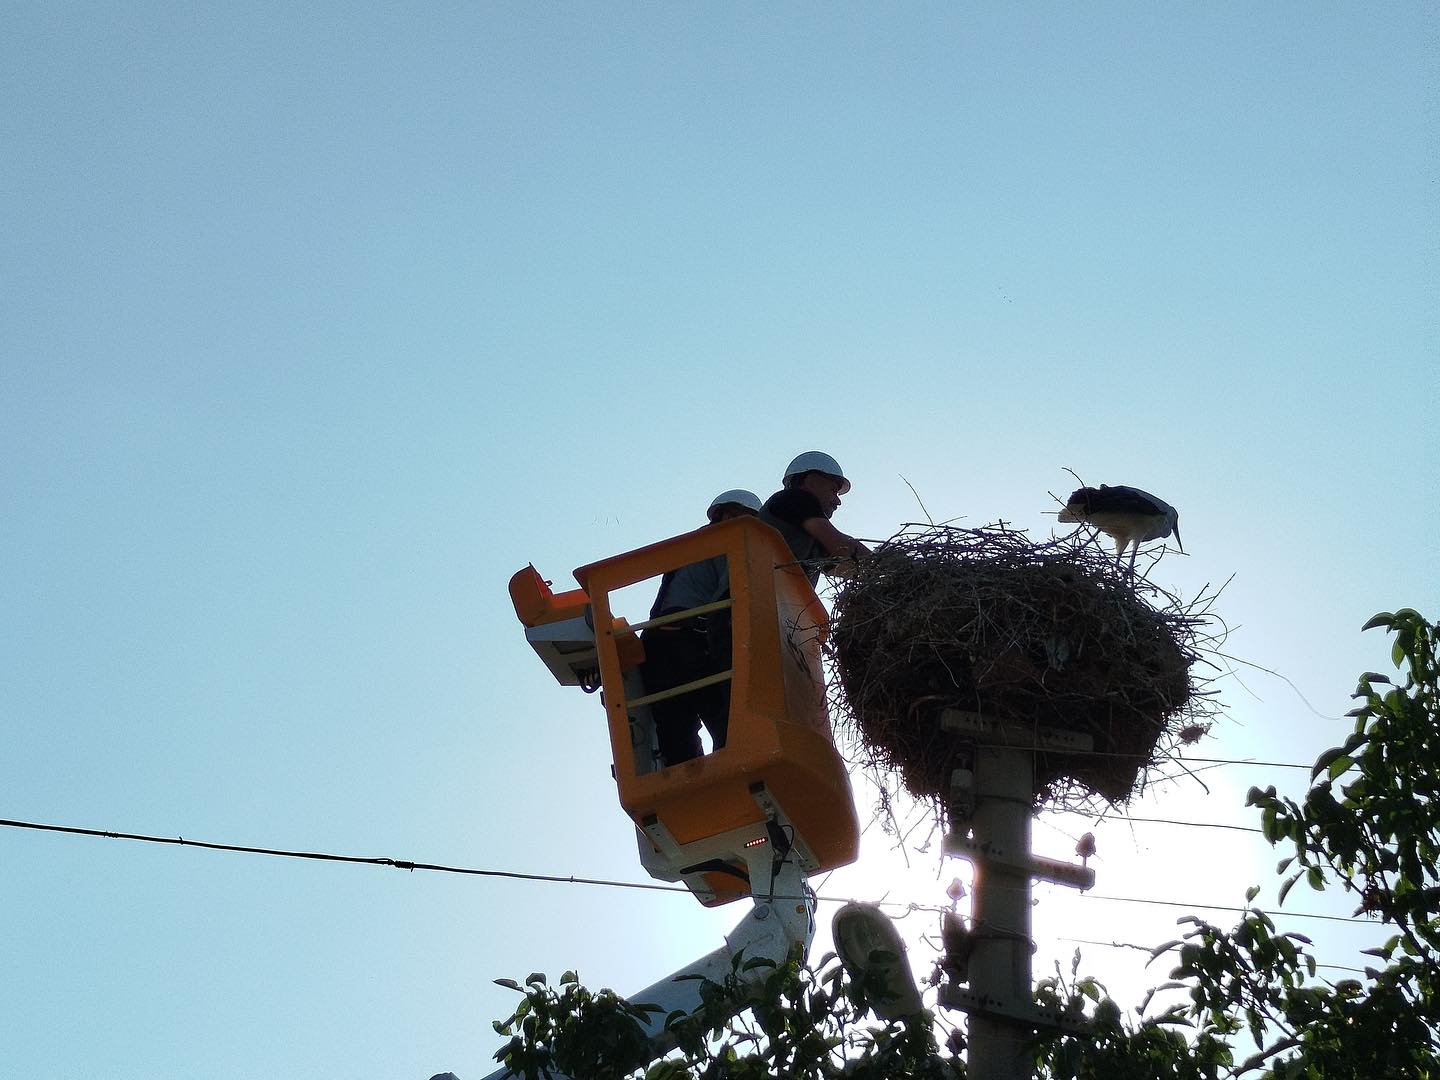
x=1052, y=635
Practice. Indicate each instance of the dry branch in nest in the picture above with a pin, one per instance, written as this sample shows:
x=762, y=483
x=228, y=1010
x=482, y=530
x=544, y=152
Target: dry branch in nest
x=1052, y=634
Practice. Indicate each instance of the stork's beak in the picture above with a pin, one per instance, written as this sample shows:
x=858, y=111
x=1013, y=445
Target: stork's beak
x=1177, y=536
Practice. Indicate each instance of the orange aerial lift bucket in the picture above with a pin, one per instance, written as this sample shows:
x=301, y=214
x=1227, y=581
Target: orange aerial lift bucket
x=778, y=780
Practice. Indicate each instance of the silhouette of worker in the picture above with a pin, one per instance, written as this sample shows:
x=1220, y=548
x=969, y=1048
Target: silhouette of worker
x=801, y=510
x=693, y=648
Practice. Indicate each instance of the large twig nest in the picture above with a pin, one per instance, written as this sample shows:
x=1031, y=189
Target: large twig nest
x=1055, y=634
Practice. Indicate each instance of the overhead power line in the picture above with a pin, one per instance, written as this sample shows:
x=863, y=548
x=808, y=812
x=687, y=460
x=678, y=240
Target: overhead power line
x=1101, y=818
x=1174, y=947
x=516, y=875
x=1186, y=760
x=404, y=864
x=1244, y=761
x=1226, y=907
x=398, y=864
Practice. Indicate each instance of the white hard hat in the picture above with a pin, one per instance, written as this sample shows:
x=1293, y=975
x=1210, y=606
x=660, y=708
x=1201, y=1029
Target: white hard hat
x=818, y=461
x=737, y=496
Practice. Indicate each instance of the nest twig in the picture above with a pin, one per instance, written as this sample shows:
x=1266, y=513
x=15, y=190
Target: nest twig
x=1052, y=634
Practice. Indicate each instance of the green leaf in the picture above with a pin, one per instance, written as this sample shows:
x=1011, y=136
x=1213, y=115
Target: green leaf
x=509, y=984
x=1354, y=741
x=1251, y=893
x=1170, y=1020
x=1323, y=761
x=1357, y=790
x=1382, y=619
x=1316, y=878
x=1285, y=888
x=1340, y=765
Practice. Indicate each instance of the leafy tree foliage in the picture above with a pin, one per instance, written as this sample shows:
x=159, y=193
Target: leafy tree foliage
x=569, y=1030
x=801, y=1022
x=1369, y=825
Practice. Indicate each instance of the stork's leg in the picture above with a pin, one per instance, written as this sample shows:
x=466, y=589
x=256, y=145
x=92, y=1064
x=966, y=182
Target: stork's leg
x=1134, y=550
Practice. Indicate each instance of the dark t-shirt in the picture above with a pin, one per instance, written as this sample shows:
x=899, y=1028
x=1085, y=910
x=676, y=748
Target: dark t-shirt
x=787, y=511
x=794, y=505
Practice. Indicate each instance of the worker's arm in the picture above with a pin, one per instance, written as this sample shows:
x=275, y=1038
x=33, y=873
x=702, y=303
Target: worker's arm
x=833, y=540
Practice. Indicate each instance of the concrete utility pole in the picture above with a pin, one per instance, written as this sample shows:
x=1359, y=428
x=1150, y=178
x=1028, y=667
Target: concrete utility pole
x=992, y=804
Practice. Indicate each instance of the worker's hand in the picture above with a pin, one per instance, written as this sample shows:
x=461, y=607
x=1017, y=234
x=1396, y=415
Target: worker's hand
x=836, y=543
x=844, y=566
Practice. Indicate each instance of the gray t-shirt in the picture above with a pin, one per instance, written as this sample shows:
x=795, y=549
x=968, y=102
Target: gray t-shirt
x=693, y=585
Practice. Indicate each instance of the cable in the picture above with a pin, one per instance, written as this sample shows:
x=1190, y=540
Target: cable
x=1102, y=818
x=1228, y=907
x=1152, y=950
x=398, y=864
x=1178, y=760
x=404, y=864
x=1068, y=752
x=1111, y=944
x=516, y=875
x=1240, y=761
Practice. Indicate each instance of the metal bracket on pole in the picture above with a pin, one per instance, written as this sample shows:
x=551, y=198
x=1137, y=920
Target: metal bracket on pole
x=1056, y=870
x=953, y=997
x=1010, y=734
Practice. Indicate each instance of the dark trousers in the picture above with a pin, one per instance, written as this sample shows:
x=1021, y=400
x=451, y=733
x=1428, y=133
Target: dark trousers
x=677, y=656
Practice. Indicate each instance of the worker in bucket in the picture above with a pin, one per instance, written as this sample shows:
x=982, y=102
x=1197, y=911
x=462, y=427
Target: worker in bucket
x=801, y=510
x=681, y=652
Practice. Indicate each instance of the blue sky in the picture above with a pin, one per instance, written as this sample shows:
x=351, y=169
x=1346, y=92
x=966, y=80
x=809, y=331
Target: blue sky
x=316, y=322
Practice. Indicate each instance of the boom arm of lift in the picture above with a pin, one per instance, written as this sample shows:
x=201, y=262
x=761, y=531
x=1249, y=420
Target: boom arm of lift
x=781, y=921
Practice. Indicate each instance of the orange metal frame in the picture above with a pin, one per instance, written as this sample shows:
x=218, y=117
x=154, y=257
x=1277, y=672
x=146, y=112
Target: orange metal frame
x=779, y=732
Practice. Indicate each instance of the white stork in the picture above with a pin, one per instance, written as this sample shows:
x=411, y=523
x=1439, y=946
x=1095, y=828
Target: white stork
x=1125, y=513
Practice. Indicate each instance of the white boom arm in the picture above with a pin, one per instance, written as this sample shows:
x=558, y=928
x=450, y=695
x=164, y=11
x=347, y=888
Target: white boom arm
x=779, y=921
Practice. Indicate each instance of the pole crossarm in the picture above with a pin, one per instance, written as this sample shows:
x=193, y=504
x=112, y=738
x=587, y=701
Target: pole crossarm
x=1037, y=866
x=954, y=997
x=983, y=730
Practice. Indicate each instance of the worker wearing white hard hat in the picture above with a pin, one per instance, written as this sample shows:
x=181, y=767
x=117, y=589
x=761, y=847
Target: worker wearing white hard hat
x=682, y=652
x=737, y=502
x=801, y=510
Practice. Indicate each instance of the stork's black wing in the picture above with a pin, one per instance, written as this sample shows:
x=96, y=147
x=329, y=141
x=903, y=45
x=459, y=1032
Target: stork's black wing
x=1117, y=500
